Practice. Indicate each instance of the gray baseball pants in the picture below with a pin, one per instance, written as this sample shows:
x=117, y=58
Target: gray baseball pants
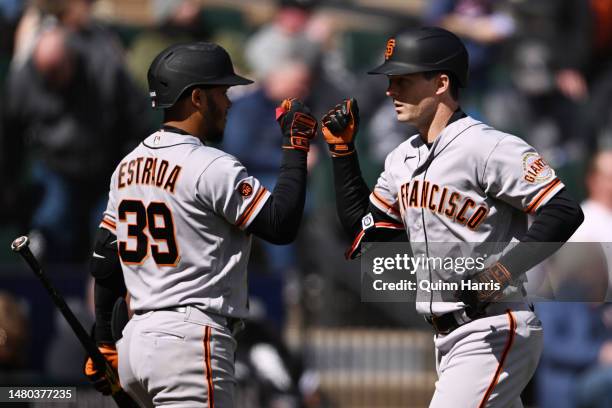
x=178, y=358
x=489, y=361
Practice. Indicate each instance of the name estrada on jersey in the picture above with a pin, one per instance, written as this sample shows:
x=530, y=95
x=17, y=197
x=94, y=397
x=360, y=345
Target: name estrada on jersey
x=179, y=210
x=129, y=172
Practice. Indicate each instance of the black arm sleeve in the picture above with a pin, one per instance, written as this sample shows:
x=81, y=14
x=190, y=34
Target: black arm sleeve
x=352, y=193
x=553, y=225
x=109, y=284
x=279, y=219
x=361, y=220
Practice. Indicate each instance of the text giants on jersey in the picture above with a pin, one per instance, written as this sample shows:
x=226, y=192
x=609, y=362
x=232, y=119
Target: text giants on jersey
x=151, y=173
x=440, y=200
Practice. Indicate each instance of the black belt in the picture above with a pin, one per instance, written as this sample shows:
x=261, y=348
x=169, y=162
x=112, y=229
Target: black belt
x=446, y=323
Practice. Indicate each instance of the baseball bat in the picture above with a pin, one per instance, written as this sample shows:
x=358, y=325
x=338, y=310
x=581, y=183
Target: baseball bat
x=123, y=400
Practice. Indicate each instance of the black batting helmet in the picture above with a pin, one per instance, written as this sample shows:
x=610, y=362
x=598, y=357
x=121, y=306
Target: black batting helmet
x=425, y=49
x=181, y=66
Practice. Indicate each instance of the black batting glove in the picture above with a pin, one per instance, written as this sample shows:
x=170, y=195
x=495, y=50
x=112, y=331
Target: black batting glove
x=488, y=286
x=340, y=127
x=296, y=123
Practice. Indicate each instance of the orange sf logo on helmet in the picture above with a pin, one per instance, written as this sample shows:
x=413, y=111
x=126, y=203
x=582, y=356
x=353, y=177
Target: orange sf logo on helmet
x=390, y=47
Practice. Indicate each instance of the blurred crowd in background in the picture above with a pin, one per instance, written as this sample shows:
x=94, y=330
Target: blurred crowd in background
x=74, y=100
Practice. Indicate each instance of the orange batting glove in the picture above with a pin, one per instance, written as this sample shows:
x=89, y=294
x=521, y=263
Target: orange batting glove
x=340, y=126
x=97, y=379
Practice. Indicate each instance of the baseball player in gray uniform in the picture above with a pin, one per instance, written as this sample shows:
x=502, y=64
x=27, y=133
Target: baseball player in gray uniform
x=177, y=231
x=457, y=180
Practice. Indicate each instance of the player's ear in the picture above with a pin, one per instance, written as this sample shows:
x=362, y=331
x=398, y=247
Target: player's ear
x=443, y=83
x=198, y=98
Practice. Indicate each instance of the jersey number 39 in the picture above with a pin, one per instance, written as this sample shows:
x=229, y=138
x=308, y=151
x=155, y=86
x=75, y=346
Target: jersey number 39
x=157, y=218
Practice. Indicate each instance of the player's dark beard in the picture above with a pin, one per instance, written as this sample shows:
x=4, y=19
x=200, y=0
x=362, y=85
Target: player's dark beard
x=214, y=131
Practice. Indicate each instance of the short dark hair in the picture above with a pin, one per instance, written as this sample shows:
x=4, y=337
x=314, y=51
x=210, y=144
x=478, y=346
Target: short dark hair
x=454, y=82
x=171, y=111
x=187, y=92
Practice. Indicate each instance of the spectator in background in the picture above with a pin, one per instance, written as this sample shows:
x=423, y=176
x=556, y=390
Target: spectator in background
x=548, y=57
x=577, y=333
x=297, y=32
x=75, y=109
x=282, y=39
x=597, y=208
x=10, y=10
x=598, y=120
x=385, y=134
x=253, y=136
x=592, y=388
x=576, y=339
x=484, y=25
x=14, y=335
x=577, y=358
x=175, y=21
x=41, y=15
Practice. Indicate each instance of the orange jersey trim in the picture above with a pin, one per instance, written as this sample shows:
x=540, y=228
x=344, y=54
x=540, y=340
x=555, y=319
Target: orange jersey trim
x=359, y=236
x=246, y=215
x=535, y=203
x=208, y=367
x=502, y=360
x=384, y=204
x=106, y=223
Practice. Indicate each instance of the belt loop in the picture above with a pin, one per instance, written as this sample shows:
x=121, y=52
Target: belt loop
x=461, y=317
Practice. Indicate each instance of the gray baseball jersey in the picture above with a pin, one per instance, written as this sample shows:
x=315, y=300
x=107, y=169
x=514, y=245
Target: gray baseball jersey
x=473, y=184
x=179, y=210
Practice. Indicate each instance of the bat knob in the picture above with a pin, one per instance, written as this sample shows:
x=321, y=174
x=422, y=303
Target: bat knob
x=19, y=243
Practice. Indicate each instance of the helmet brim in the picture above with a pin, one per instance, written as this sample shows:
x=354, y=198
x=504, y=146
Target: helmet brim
x=230, y=80
x=400, y=68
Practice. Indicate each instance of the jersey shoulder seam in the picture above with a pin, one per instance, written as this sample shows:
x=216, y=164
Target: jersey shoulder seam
x=484, y=169
x=220, y=156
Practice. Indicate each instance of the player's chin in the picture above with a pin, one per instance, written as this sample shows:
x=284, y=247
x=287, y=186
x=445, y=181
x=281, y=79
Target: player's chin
x=402, y=117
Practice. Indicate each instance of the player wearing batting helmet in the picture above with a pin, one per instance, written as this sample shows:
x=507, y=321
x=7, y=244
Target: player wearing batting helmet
x=177, y=231
x=457, y=181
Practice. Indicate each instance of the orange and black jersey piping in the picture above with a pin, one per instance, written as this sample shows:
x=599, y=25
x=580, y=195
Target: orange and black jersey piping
x=554, y=221
x=279, y=219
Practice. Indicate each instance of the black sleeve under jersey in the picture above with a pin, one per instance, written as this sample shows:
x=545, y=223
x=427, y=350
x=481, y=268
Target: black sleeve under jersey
x=352, y=193
x=279, y=219
x=105, y=267
x=553, y=225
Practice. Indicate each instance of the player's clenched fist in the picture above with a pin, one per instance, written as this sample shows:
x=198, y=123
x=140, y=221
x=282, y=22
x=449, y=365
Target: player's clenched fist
x=340, y=125
x=97, y=378
x=297, y=124
x=487, y=286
